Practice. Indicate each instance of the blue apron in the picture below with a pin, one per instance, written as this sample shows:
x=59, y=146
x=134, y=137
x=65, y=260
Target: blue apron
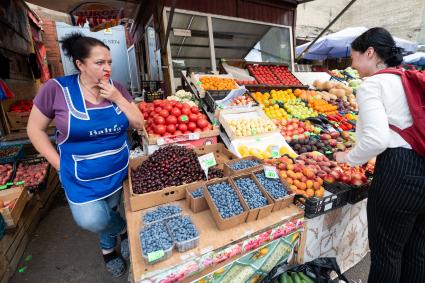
x=94, y=156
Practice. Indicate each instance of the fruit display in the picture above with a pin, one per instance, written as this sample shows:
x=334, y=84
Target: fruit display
x=245, y=151
x=246, y=82
x=243, y=164
x=155, y=237
x=182, y=229
x=31, y=173
x=6, y=171
x=290, y=276
x=242, y=100
x=296, y=129
x=321, y=106
x=320, y=165
x=334, y=91
x=270, y=98
x=168, y=166
x=250, y=127
x=354, y=176
x=217, y=83
x=273, y=186
x=183, y=96
x=225, y=199
x=275, y=112
x=170, y=118
x=9, y=151
x=285, y=76
x=301, y=178
x=198, y=193
x=161, y=213
x=264, y=74
x=21, y=106
x=343, y=106
x=251, y=192
x=298, y=109
x=306, y=95
x=340, y=122
x=325, y=143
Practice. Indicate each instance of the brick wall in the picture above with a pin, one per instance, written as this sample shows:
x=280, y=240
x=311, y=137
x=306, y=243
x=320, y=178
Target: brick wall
x=50, y=40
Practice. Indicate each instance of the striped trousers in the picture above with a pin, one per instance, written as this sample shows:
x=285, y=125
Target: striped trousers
x=396, y=218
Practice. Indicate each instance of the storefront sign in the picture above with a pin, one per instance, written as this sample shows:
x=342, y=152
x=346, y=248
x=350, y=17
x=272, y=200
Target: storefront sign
x=182, y=32
x=98, y=15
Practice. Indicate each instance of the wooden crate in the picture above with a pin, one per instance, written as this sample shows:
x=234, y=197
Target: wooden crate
x=12, y=216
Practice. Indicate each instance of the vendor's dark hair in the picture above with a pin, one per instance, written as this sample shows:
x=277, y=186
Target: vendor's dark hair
x=383, y=43
x=77, y=46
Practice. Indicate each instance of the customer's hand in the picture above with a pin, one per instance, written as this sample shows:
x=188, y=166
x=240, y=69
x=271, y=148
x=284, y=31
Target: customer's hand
x=341, y=157
x=108, y=91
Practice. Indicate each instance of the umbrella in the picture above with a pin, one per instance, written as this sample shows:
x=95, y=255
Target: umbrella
x=417, y=58
x=338, y=44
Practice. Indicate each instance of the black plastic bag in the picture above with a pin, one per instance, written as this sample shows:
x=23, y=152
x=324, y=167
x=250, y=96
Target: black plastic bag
x=318, y=270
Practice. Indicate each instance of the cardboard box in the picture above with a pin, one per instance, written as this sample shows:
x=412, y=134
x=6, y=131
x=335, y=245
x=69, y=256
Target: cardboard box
x=148, y=149
x=154, y=140
x=256, y=213
x=196, y=204
x=228, y=170
x=11, y=216
x=224, y=224
x=278, y=203
x=174, y=193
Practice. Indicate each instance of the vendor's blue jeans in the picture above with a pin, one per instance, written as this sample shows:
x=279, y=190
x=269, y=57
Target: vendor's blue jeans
x=101, y=217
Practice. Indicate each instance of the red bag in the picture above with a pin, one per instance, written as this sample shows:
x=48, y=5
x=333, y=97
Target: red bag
x=414, y=86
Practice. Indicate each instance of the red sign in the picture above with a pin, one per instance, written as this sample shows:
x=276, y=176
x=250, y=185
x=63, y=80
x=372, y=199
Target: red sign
x=98, y=15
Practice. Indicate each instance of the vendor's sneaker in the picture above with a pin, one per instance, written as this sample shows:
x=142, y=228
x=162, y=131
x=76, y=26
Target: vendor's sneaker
x=125, y=251
x=115, y=264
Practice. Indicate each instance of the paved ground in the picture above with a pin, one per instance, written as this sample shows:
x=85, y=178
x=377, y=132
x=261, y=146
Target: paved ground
x=62, y=252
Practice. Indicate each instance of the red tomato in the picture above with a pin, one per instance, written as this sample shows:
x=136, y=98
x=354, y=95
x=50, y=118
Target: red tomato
x=177, y=133
x=197, y=130
x=193, y=117
x=185, y=110
x=206, y=129
x=173, y=102
x=164, y=113
x=202, y=116
x=179, y=105
x=202, y=123
x=160, y=129
x=168, y=107
x=171, y=120
x=158, y=120
x=183, y=119
x=182, y=128
x=194, y=109
x=176, y=112
x=186, y=132
x=145, y=116
x=158, y=109
x=166, y=134
x=171, y=128
x=191, y=126
x=157, y=102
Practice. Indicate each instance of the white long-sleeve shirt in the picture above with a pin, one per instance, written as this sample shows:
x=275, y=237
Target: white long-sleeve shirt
x=382, y=102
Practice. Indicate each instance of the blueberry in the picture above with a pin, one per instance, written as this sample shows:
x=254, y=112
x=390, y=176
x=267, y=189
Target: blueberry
x=155, y=237
x=182, y=228
x=199, y=192
x=160, y=213
x=251, y=193
x=243, y=164
x=225, y=199
x=276, y=189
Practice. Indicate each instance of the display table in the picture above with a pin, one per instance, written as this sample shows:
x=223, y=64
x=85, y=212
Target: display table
x=340, y=233
x=216, y=248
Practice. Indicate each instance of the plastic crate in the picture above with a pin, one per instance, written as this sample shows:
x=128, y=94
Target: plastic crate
x=358, y=193
x=184, y=245
x=314, y=207
x=212, y=95
x=12, y=158
x=162, y=219
x=40, y=186
x=9, y=181
x=3, y=226
x=167, y=254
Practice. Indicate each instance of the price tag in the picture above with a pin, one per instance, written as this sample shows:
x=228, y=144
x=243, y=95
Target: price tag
x=199, y=83
x=20, y=183
x=155, y=255
x=257, y=139
x=3, y=187
x=194, y=136
x=270, y=172
x=9, y=184
x=275, y=151
x=207, y=160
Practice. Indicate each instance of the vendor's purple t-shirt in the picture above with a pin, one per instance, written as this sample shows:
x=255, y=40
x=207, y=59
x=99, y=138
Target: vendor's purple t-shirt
x=51, y=102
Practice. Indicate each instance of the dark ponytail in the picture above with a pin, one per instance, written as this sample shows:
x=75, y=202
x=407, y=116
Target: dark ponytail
x=383, y=43
x=77, y=46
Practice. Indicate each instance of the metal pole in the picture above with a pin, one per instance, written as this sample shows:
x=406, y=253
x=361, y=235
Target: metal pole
x=170, y=21
x=324, y=30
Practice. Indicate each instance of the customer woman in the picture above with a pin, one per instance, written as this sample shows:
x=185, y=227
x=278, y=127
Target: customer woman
x=92, y=114
x=396, y=204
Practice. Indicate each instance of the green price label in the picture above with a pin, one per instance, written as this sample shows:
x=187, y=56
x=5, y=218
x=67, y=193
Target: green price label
x=275, y=151
x=9, y=184
x=199, y=83
x=153, y=256
x=3, y=187
x=19, y=183
x=257, y=139
x=270, y=172
x=207, y=160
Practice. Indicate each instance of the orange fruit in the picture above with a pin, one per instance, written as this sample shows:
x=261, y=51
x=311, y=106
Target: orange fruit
x=309, y=192
x=319, y=193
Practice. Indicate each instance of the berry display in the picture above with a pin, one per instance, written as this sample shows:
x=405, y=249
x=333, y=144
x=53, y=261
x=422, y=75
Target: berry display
x=182, y=228
x=198, y=193
x=155, y=237
x=251, y=193
x=276, y=189
x=243, y=164
x=31, y=173
x=161, y=213
x=225, y=199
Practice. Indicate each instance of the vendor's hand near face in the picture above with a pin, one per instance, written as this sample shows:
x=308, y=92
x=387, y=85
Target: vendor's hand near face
x=109, y=92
